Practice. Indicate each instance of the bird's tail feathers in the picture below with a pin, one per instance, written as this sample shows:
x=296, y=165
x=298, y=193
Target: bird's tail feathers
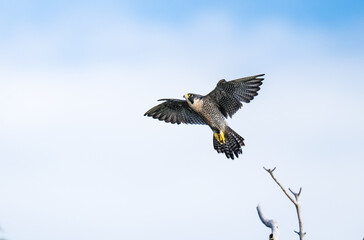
x=228, y=142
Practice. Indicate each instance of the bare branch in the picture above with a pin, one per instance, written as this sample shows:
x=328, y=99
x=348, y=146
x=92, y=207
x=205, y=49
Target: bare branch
x=284, y=190
x=294, y=201
x=269, y=223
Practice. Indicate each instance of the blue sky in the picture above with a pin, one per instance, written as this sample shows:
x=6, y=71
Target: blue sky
x=80, y=161
x=304, y=12
x=67, y=30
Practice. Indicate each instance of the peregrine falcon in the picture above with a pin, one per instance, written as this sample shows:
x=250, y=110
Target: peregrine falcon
x=212, y=109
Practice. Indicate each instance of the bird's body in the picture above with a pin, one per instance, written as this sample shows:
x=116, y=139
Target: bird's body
x=209, y=112
x=212, y=110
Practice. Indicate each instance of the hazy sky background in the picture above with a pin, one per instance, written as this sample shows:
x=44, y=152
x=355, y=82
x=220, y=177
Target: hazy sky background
x=80, y=161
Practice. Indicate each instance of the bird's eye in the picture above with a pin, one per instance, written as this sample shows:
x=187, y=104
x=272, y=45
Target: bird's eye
x=191, y=95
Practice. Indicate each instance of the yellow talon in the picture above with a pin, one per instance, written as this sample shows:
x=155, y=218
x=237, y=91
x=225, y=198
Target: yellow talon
x=220, y=137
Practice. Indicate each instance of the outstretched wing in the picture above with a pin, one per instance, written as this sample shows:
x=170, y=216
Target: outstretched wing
x=229, y=95
x=174, y=111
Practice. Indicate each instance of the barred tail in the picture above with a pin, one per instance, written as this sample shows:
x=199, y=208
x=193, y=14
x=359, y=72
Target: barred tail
x=231, y=144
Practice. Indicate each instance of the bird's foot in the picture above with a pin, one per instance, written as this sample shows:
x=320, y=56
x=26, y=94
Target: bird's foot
x=220, y=137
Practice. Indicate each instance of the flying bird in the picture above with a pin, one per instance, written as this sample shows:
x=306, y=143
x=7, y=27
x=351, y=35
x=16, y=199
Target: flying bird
x=212, y=109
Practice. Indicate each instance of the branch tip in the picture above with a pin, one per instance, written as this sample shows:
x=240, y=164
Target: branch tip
x=269, y=170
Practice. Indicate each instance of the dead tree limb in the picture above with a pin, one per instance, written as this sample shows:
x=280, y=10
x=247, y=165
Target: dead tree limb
x=294, y=200
x=269, y=223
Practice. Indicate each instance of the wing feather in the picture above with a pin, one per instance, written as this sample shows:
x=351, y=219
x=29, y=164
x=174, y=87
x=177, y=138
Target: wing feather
x=174, y=111
x=229, y=95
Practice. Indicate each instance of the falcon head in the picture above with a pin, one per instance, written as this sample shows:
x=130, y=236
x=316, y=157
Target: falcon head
x=191, y=98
